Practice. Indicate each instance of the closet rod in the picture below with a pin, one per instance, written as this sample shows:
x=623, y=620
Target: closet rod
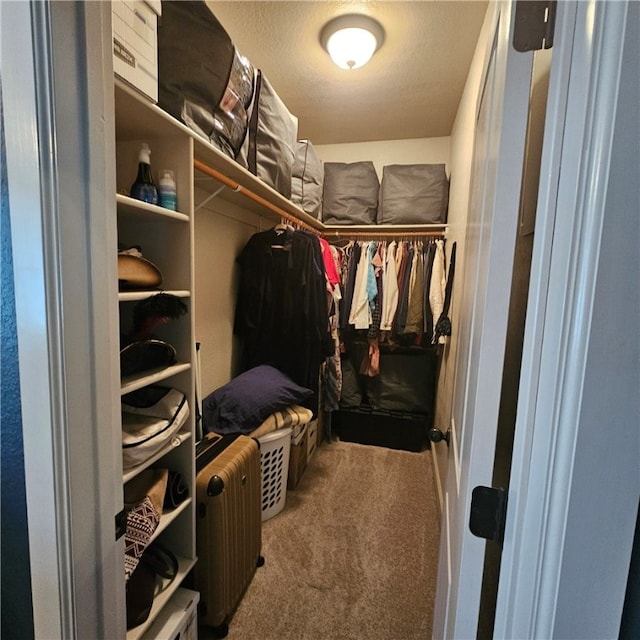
x=237, y=187
x=347, y=235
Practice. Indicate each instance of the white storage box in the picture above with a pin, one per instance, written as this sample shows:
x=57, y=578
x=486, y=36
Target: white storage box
x=135, y=43
x=274, y=462
x=178, y=618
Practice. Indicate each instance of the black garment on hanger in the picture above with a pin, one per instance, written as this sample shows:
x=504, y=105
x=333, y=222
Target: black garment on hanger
x=443, y=325
x=403, y=294
x=347, y=296
x=430, y=254
x=282, y=311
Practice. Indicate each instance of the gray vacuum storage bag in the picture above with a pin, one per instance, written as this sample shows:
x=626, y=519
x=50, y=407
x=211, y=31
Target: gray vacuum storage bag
x=202, y=79
x=269, y=146
x=307, y=178
x=230, y=116
x=413, y=194
x=350, y=194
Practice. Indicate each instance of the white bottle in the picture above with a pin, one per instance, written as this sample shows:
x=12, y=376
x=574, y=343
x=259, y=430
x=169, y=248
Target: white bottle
x=167, y=190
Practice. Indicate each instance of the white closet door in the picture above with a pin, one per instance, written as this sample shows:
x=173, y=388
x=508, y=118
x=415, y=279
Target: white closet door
x=502, y=111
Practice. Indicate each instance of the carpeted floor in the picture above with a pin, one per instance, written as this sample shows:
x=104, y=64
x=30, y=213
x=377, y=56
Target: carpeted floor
x=353, y=555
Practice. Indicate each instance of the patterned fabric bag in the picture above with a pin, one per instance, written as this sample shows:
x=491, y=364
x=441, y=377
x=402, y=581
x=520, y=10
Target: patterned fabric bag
x=143, y=498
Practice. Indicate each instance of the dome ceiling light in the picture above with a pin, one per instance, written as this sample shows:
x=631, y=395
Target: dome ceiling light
x=352, y=39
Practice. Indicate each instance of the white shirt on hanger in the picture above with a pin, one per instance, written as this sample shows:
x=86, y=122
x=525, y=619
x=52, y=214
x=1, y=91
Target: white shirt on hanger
x=437, y=285
x=360, y=316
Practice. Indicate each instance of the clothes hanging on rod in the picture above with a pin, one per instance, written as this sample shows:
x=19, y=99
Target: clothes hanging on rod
x=437, y=286
x=331, y=372
x=387, y=343
x=442, y=327
x=394, y=291
x=389, y=288
x=282, y=310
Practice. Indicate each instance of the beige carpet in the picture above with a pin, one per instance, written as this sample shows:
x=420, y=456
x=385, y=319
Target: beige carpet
x=353, y=555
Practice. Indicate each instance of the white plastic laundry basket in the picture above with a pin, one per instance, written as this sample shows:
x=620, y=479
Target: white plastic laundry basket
x=274, y=461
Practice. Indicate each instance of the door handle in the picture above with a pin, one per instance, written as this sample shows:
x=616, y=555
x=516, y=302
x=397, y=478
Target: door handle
x=488, y=513
x=436, y=435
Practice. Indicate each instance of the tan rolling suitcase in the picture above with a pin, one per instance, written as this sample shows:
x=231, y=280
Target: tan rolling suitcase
x=228, y=525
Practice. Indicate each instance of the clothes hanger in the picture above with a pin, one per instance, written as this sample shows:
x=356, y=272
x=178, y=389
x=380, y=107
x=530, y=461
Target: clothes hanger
x=281, y=226
x=282, y=231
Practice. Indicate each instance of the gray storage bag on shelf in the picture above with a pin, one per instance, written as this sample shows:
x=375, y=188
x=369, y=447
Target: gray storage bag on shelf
x=307, y=178
x=269, y=146
x=350, y=194
x=413, y=194
x=202, y=79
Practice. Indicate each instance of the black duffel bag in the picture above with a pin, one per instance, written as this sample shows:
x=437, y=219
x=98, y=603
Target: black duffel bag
x=202, y=79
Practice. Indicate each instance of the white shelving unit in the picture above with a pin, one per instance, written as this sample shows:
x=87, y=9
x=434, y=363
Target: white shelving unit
x=165, y=238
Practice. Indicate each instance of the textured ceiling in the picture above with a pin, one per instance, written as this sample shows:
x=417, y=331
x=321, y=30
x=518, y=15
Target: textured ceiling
x=410, y=89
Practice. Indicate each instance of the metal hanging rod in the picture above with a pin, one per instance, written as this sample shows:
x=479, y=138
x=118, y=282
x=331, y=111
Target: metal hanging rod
x=296, y=222
x=365, y=235
x=238, y=188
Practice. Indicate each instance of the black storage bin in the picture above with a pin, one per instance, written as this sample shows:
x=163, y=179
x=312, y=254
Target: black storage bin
x=406, y=382
x=391, y=429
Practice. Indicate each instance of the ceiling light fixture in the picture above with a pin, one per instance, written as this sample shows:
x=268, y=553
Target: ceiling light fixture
x=352, y=39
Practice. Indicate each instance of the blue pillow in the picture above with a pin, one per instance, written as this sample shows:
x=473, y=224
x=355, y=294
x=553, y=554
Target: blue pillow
x=245, y=402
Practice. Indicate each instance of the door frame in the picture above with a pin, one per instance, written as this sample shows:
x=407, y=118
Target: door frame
x=540, y=487
x=549, y=488
x=59, y=126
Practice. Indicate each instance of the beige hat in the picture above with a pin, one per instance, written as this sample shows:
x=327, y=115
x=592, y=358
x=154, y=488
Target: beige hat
x=135, y=272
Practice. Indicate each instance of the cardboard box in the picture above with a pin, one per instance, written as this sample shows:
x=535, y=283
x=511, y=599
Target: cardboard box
x=312, y=438
x=297, y=432
x=135, y=43
x=297, y=461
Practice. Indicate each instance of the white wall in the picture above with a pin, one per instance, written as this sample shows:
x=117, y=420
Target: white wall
x=221, y=231
x=459, y=166
x=456, y=152
x=381, y=153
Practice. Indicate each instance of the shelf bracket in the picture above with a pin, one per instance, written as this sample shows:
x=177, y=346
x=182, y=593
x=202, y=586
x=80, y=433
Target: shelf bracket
x=210, y=197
